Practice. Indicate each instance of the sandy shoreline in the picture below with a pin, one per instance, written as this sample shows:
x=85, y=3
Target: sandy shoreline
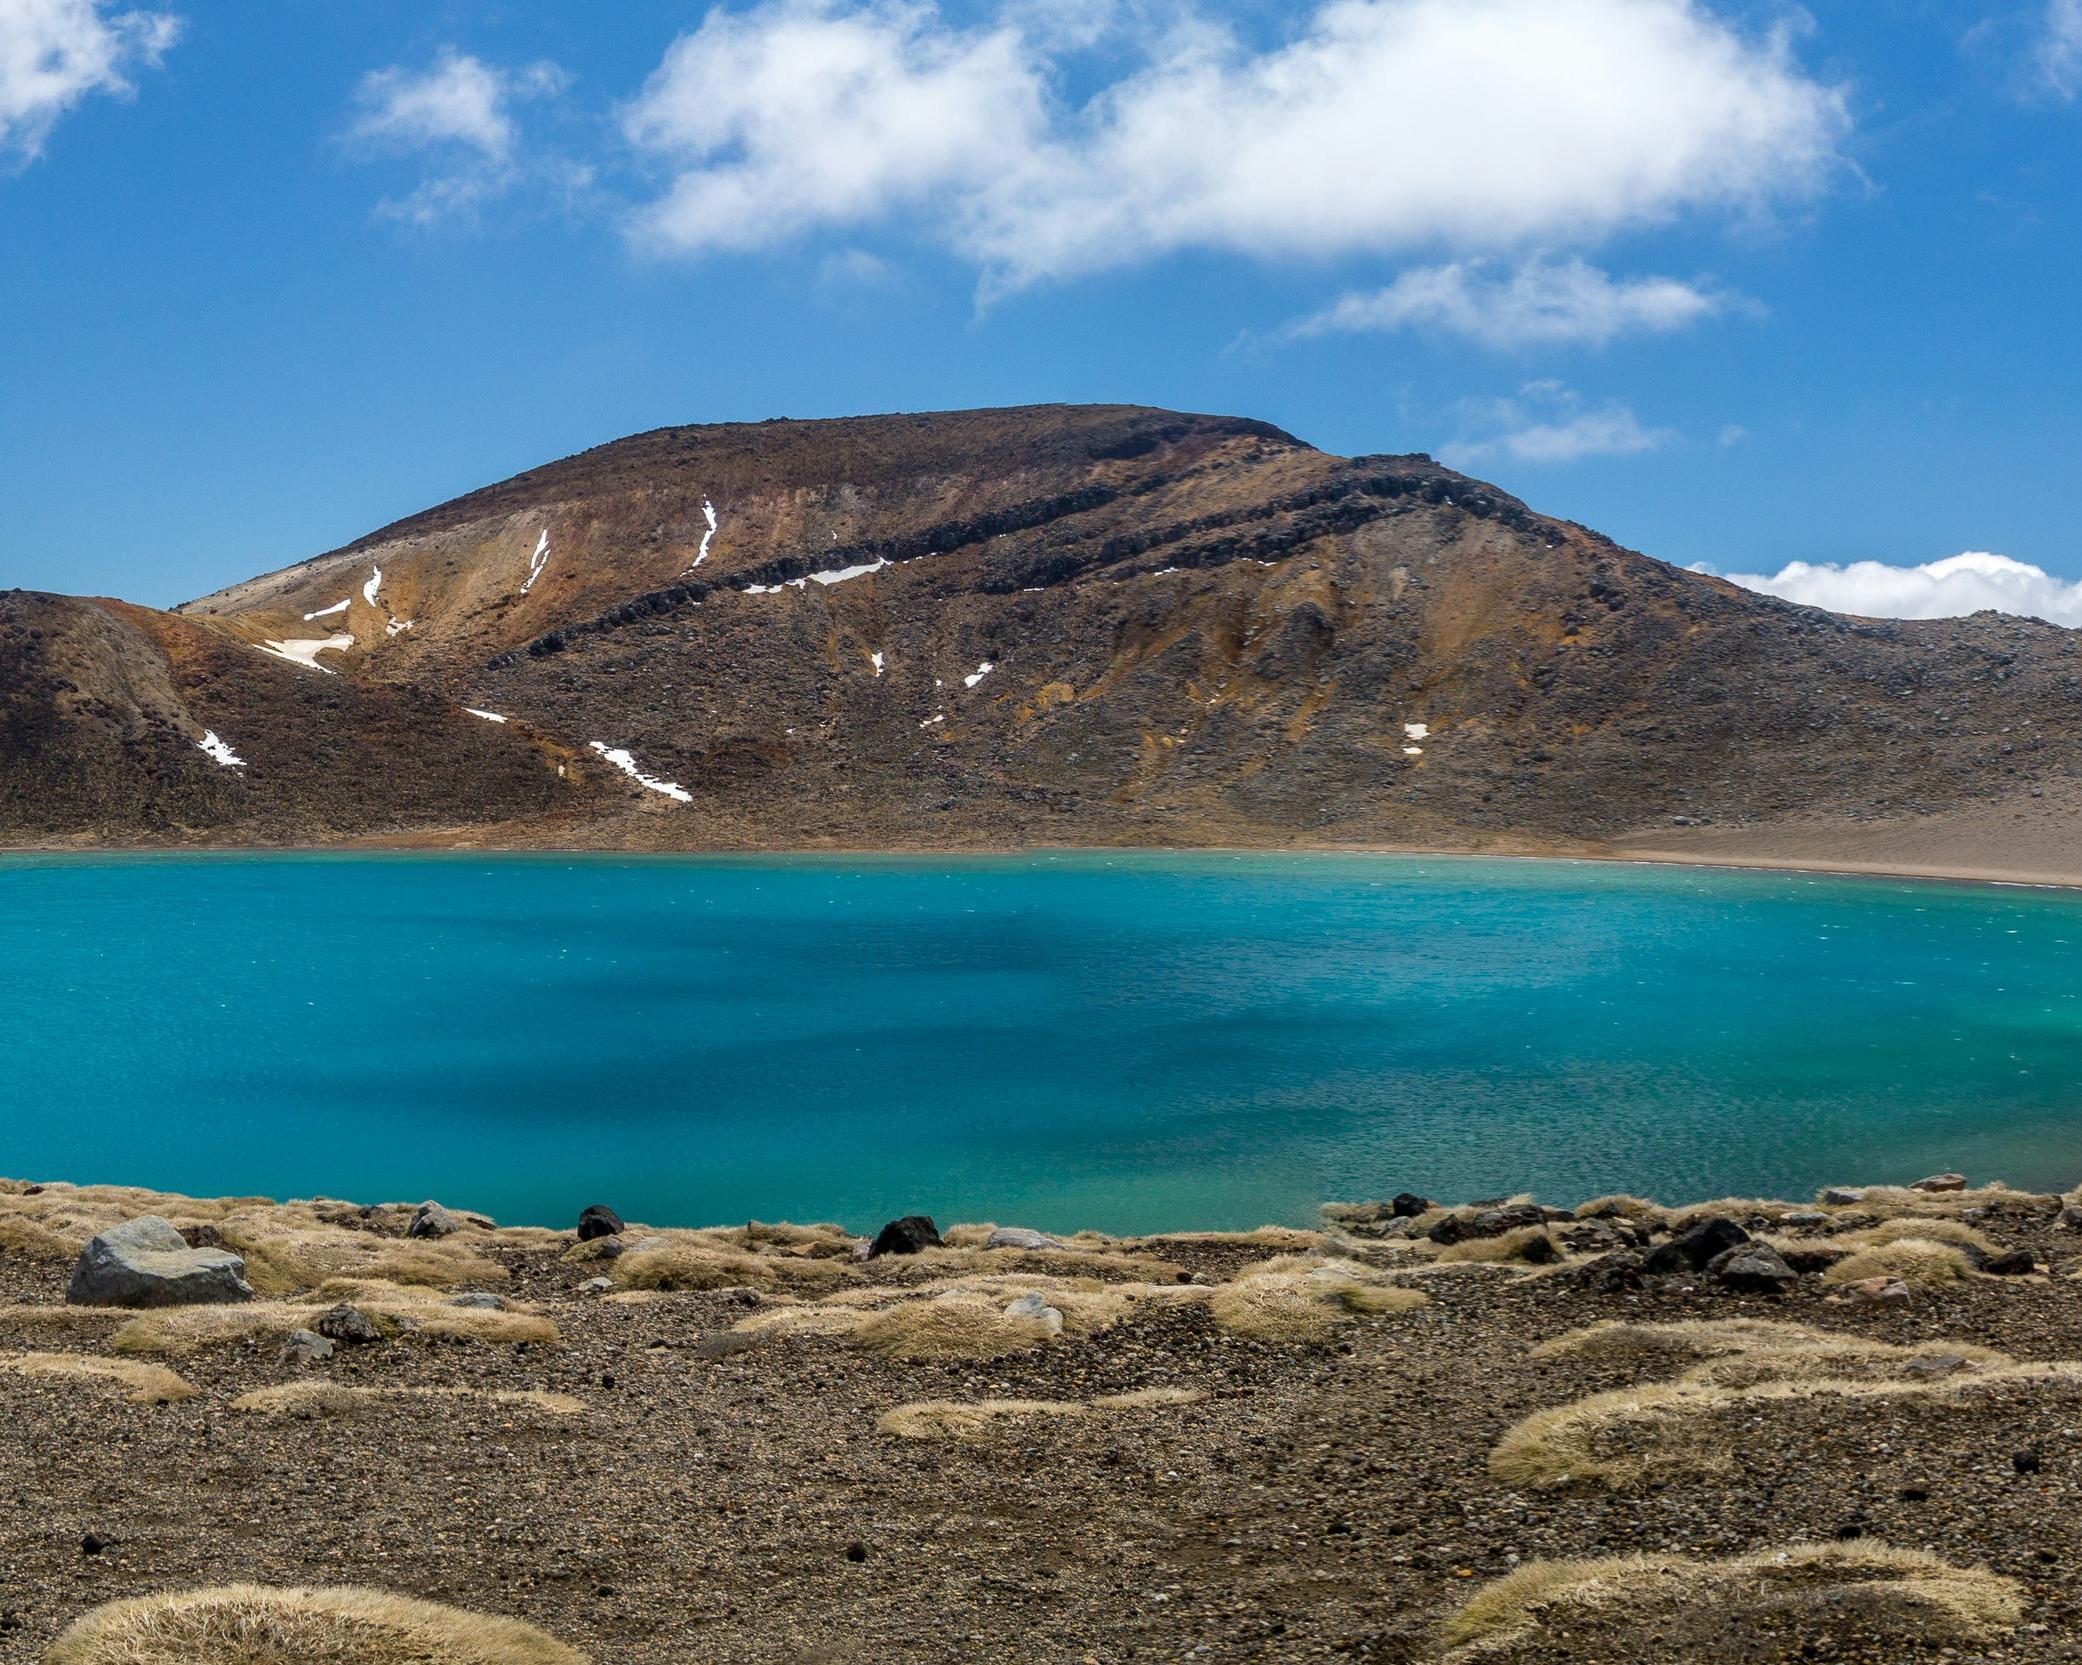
x=1968, y=872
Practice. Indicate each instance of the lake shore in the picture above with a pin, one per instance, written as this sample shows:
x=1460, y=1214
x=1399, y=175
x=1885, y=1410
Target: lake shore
x=1840, y=1425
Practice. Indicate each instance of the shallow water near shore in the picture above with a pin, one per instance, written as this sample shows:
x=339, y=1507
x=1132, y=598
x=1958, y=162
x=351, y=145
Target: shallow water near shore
x=1131, y=1042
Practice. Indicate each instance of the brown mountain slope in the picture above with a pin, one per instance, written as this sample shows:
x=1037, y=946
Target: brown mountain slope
x=1060, y=624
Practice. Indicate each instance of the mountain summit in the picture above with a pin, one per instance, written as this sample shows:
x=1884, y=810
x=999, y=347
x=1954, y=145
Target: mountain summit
x=1054, y=624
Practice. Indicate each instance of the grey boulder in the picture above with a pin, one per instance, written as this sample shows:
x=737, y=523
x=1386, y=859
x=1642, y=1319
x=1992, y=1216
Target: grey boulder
x=430, y=1219
x=1020, y=1237
x=147, y=1263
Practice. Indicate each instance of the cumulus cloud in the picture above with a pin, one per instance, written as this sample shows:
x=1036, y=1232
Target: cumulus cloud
x=1538, y=303
x=55, y=53
x=1377, y=126
x=459, y=114
x=801, y=113
x=1545, y=422
x=1946, y=589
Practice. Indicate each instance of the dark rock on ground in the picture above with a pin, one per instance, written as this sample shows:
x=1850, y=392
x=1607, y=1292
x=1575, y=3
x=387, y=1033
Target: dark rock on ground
x=1752, y=1269
x=599, y=1221
x=908, y=1236
x=430, y=1219
x=349, y=1325
x=1692, y=1248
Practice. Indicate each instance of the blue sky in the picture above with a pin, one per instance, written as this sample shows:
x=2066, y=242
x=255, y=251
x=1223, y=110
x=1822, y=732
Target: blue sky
x=1741, y=285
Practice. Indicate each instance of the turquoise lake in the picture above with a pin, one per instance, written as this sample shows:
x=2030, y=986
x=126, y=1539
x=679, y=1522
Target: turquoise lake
x=1132, y=1042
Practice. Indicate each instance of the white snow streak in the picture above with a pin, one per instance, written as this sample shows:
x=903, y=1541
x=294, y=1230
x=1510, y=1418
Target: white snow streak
x=537, y=561
x=224, y=755
x=877, y=659
x=939, y=718
x=327, y=612
x=983, y=670
x=488, y=716
x=306, y=650
x=627, y=764
x=368, y=590
x=1417, y=731
x=841, y=576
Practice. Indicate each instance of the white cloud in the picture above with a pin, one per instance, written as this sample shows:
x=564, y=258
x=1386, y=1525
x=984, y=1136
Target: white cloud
x=460, y=113
x=1944, y=589
x=801, y=113
x=54, y=53
x=1538, y=303
x=1545, y=422
x=2060, y=46
x=1379, y=126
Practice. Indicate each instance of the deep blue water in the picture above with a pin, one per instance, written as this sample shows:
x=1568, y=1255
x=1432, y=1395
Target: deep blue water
x=1132, y=1042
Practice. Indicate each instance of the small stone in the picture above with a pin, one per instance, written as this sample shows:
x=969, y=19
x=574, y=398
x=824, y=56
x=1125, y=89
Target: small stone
x=1878, y=1292
x=349, y=1325
x=1540, y=1251
x=430, y=1219
x=2025, y=1461
x=908, y=1236
x=482, y=1300
x=598, y=1221
x=1034, y=1305
x=1407, y=1205
x=596, y=1286
x=2013, y=1263
x=2070, y=1217
x=1802, y=1218
x=304, y=1348
x=856, y=1552
x=1934, y=1364
x=1941, y=1182
x=1842, y=1196
x=93, y=1544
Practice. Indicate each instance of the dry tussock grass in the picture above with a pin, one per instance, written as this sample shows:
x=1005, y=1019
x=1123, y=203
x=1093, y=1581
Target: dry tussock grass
x=1296, y=1298
x=246, y=1624
x=1919, y=1262
x=177, y=1330
x=949, y=1419
x=1659, y=1429
x=318, y=1398
x=1898, y=1200
x=147, y=1384
x=1932, y=1230
x=1627, y=1207
x=692, y=1262
x=1504, y=1249
x=1734, y=1208
x=1552, y=1597
x=1732, y=1352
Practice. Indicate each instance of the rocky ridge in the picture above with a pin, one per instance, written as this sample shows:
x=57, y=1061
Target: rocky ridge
x=1055, y=624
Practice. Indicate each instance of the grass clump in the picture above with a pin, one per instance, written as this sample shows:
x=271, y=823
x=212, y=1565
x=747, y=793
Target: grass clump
x=692, y=1264
x=1504, y=1249
x=394, y=1308
x=939, y=1419
x=1914, y=1593
x=247, y=1624
x=1920, y=1262
x=145, y=1384
x=1299, y=1299
x=317, y=1398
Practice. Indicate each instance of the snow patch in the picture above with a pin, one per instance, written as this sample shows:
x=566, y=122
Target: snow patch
x=397, y=627
x=305, y=651
x=842, y=575
x=627, y=764
x=219, y=751
x=708, y=511
x=983, y=670
x=488, y=716
x=1417, y=731
x=939, y=717
x=876, y=660
x=537, y=561
x=368, y=590
x=327, y=612
x=1413, y=751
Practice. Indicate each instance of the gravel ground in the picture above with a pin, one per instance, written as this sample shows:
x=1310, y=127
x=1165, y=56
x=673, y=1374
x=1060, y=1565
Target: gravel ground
x=727, y=1502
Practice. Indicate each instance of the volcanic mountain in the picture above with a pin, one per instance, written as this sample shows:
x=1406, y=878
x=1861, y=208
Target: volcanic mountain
x=1068, y=625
